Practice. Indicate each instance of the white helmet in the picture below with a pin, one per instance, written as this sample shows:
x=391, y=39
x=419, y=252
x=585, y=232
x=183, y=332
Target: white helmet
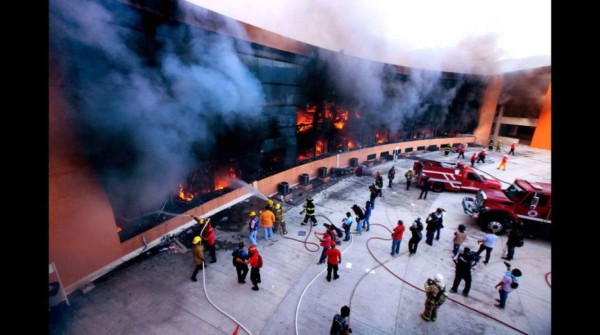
x=438, y=278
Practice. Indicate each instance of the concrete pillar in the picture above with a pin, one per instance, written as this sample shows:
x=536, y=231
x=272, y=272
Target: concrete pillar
x=487, y=110
x=543, y=132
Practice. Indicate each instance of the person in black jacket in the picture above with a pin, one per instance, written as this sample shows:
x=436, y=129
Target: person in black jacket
x=431, y=228
x=515, y=239
x=464, y=263
x=425, y=187
x=417, y=235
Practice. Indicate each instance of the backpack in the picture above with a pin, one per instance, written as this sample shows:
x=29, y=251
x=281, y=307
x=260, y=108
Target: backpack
x=338, y=231
x=441, y=297
x=520, y=243
x=260, y=261
x=337, y=325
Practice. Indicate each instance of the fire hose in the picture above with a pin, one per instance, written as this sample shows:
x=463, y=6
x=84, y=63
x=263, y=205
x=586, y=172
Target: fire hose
x=317, y=275
x=411, y=285
x=305, y=241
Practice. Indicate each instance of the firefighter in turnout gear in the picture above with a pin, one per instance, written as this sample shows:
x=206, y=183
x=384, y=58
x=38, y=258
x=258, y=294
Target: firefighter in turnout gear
x=435, y=291
x=279, y=220
x=309, y=208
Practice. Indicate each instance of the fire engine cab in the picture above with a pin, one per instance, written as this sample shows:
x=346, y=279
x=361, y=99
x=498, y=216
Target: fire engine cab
x=452, y=176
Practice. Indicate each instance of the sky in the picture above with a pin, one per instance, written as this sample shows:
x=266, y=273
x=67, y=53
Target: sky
x=469, y=36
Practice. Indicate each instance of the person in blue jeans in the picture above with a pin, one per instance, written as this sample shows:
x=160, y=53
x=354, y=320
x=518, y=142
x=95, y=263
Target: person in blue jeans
x=507, y=284
x=253, y=227
x=360, y=217
x=397, y=238
x=367, y=215
x=347, y=224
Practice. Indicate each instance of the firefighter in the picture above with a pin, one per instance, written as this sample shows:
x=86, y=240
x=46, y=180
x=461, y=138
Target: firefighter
x=491, y=144
x=279, y=219
x=391, y=175
x=270, y=205
x=197, y=256
x=309, y=208
x=379, y=182
x=435, y=293
x=447, y=150
x=503, y=163
x=253, y=227
x=409, y=177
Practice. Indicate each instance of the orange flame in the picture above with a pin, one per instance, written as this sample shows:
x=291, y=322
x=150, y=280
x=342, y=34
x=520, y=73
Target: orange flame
x=351, y=145
x=379, y=138
x=304, y=118
x=319, y=148
x=340, y=120
x=184, y=195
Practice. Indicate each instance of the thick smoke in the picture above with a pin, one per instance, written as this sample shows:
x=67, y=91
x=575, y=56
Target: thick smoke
x=145, y=92
x=383, y=99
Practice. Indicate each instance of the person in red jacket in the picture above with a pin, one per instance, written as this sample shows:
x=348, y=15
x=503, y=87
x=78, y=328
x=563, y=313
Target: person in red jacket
x=461, y=152
x=334, y=257
x=397, y=238
x=512, y=149
x=473, y=158
x=481, y=156
x=503, y=163
x=255, y=264
x=208, y=237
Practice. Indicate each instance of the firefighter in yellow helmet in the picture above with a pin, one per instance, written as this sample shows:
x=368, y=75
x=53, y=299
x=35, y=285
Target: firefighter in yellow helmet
x=270, y=205
x=279, y=219
x=197, y=256
x=253, y=227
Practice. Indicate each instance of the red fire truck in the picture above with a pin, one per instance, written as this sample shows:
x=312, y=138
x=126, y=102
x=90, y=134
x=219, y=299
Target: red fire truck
x=529, y=203
x=452, y=176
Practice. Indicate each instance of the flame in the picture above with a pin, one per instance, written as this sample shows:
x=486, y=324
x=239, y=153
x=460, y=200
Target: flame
x=184, y=195
x=351, y=144
x=319, y=148
x=119, y=229
x=340, y=120
x=232, y=173
x=379, y=138
x=304, y=118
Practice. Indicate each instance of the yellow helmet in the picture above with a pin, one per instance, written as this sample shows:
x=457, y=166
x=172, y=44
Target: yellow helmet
x=253, y=213
x=277, y=206
x=269, y=202
x=201, y=221
x=196, y=240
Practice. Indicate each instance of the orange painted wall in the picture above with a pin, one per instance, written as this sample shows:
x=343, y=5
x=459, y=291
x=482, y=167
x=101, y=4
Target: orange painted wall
x=487, y=110
x=542, y=138
x=82, y=231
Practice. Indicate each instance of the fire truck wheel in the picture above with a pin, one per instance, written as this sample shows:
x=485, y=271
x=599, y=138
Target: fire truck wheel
x=497, y=223
x=437, y=187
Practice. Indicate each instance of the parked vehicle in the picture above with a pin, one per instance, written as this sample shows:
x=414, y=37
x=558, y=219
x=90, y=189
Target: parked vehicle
x=452, y=176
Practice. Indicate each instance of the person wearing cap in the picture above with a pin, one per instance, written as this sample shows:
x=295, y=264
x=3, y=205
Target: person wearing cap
x=270, y=205
x=267, y=218
x=397, y=238
x=253, y=227
x=435, y=296
x=279, y=219
x=464, y=263
x=503, y=163
x=197, y=256
x=309, y=208
x=409, y=175
x=507, y=284
x=334, y=257
x=255, y=271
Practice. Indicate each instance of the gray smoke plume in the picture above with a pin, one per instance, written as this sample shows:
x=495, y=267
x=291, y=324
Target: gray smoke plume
x=144, y=92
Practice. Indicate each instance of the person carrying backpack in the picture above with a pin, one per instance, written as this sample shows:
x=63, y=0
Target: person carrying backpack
x=347, y=224
x=339, y=325
x=515, y=239
x=508, y=283
x=435, y=293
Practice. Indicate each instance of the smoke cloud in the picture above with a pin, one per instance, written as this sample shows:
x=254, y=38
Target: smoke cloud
x=145, y=92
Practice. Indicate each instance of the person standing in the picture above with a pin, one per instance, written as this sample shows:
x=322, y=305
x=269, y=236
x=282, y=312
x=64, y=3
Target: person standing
x=409, y=177
x=253, y=227
x=515, y=239
x=425, y=187
x=447, y=150
x=360, y=218
x=373, y=192
x=491, y=144
x=461, y=152
x=508, y=283
x=459, y=238
x=473, y=158
x=240, y=256
x=279, y=219
x=270, y=205
x=325, y=240
x=340, y=326
x=267, y=218
x=499, y=146
x=512, y=149
x=309, y=208
x=197, y=256
x=334, y=257
x=255, y=262
x=208, y=237
x=435, y=296
x=379, y=182
x=367, y=216
x=347, y=224
x=397, y=238
x=430, y=228
x=391, y=175
x=487, y=244
x=417, y=235
x=481, y=157
x=503, y=163
x=463, y=262
x=439, y=213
